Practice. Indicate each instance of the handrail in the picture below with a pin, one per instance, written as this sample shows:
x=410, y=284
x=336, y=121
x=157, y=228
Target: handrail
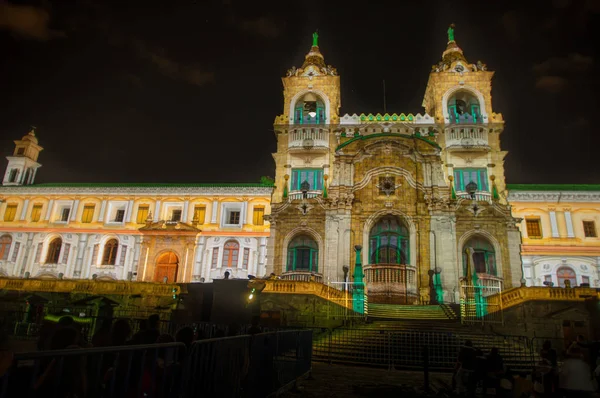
x=301, y=287
x=511, y=297
x=90, y=286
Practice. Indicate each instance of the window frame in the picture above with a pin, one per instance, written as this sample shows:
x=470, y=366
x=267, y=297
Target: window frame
x=6, y=242
x=258, y=215
x=593, y=230
x=53, y=252
x=459, y=180
x=86, y=217
x=142, y=209
x=174, y=212
x=112, y=245
x=296, y=179
x=10, y=213
x=36, y=206
x=537, y=221
x=199, y=214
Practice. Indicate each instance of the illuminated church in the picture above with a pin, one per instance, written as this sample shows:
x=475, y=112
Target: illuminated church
x=418, y=200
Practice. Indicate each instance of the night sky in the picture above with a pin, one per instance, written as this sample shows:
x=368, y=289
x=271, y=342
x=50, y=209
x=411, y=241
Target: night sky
x=187, y=91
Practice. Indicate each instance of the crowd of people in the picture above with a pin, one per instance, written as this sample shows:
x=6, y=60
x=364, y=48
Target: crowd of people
x=577, y=376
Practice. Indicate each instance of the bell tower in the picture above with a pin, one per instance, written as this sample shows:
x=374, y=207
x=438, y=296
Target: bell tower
x=305, y=130
x=458, y=96
x=22, y=165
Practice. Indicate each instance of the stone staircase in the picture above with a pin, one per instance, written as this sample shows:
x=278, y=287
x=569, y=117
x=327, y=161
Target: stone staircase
x=399, y=345
x=422, y=312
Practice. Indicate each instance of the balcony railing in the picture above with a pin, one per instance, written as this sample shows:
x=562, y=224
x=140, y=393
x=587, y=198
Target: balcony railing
x=295, y=195
x=519, y=295
x=308, y=138
x=466, y=138
x=304, y=276
x=391, y=279
x=465, y=118
x=479, y=196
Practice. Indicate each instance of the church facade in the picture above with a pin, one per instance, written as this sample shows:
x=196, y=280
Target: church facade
x=410, y=192
x=419, y=200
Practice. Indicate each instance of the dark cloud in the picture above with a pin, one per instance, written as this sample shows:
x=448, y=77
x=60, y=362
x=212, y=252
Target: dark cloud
x=192, y=74
x=27, y=21
x=263, y=26
x=553, y=84
x=555, y=74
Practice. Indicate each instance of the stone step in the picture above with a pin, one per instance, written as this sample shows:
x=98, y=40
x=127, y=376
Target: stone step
x=397, y=311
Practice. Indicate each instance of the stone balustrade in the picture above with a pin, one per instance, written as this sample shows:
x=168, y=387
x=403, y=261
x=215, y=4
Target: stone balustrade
x=510, y=298
x=304, y=276
x=302, y=287
x=90, y=287
x=308, y=138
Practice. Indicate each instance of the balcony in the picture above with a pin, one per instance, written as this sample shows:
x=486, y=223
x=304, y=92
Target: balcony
x=465, y=118
x=308, y=139
x=303, y=276
x=467, y=139
x=480, y=196
x=297, y=195
x=391, y=283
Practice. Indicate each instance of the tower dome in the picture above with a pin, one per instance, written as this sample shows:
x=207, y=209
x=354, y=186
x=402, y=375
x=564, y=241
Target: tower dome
x=314, y=63
x=30, y=136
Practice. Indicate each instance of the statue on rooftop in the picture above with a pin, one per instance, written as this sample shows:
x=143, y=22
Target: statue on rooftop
x=315, y=39
x=451, y=33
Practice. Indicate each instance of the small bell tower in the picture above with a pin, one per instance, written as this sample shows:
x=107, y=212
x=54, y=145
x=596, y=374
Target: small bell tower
x=22, y=165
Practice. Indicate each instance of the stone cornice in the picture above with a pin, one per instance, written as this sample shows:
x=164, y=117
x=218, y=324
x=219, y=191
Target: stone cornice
x=137, y=191
x=553, y=196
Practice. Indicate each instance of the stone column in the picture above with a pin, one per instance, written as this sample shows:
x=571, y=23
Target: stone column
x=443, y=255
x=157, y=211
x=553, y=223
x=199, y=249
x=270, y=260
x=74, y=210
x=79, y=255
x=215, y=209
x=569, y=223
x=186, y=207
x=244, y=213
x=260, y=263
x=24, y=210
x=129, y=211
x=331, y=247
x=28, y=254
x=49, y=210
x=102, y=211
x=137, y=248
x=514, y=260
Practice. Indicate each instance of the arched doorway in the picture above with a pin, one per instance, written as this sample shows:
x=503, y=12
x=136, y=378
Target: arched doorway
x=390, y=277
x=564, y=274
x=303, y=254
x=484, y=256
x=167, y=265
x=389, y=242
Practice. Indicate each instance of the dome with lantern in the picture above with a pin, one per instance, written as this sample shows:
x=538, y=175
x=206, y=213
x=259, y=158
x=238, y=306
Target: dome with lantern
x=314, y=63
x=453, y=58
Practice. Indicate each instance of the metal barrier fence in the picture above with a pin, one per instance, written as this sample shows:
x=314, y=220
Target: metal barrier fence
x=255, y=365
x=403, y=349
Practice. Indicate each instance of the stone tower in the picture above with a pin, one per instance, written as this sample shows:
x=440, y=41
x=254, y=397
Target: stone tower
x=22, y=165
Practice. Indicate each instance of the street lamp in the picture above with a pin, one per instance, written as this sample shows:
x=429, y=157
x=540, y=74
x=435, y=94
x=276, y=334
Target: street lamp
x=304, y=187
x=471, y=189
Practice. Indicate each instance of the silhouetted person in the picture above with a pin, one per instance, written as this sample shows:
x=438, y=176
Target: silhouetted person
x=120, y=332
x=184, y=335
x=574, y=375
x=467, y=362
x=226, y=275
x=102, y=336
x=255, y=328
x=150, y=334
x=494, y=368
x=546, y=371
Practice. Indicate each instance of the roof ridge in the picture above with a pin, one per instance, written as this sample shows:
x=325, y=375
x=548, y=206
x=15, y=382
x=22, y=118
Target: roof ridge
x=553, y=187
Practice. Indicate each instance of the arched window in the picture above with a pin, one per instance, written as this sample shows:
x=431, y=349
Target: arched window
x=53, y=251
x=389, y=242
x=5, y=243
x=564, y=274
x=309, y=109
x=231, y=253
x=109, y=257
x=303, y=254
x=463, y=107
x=484, y=256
